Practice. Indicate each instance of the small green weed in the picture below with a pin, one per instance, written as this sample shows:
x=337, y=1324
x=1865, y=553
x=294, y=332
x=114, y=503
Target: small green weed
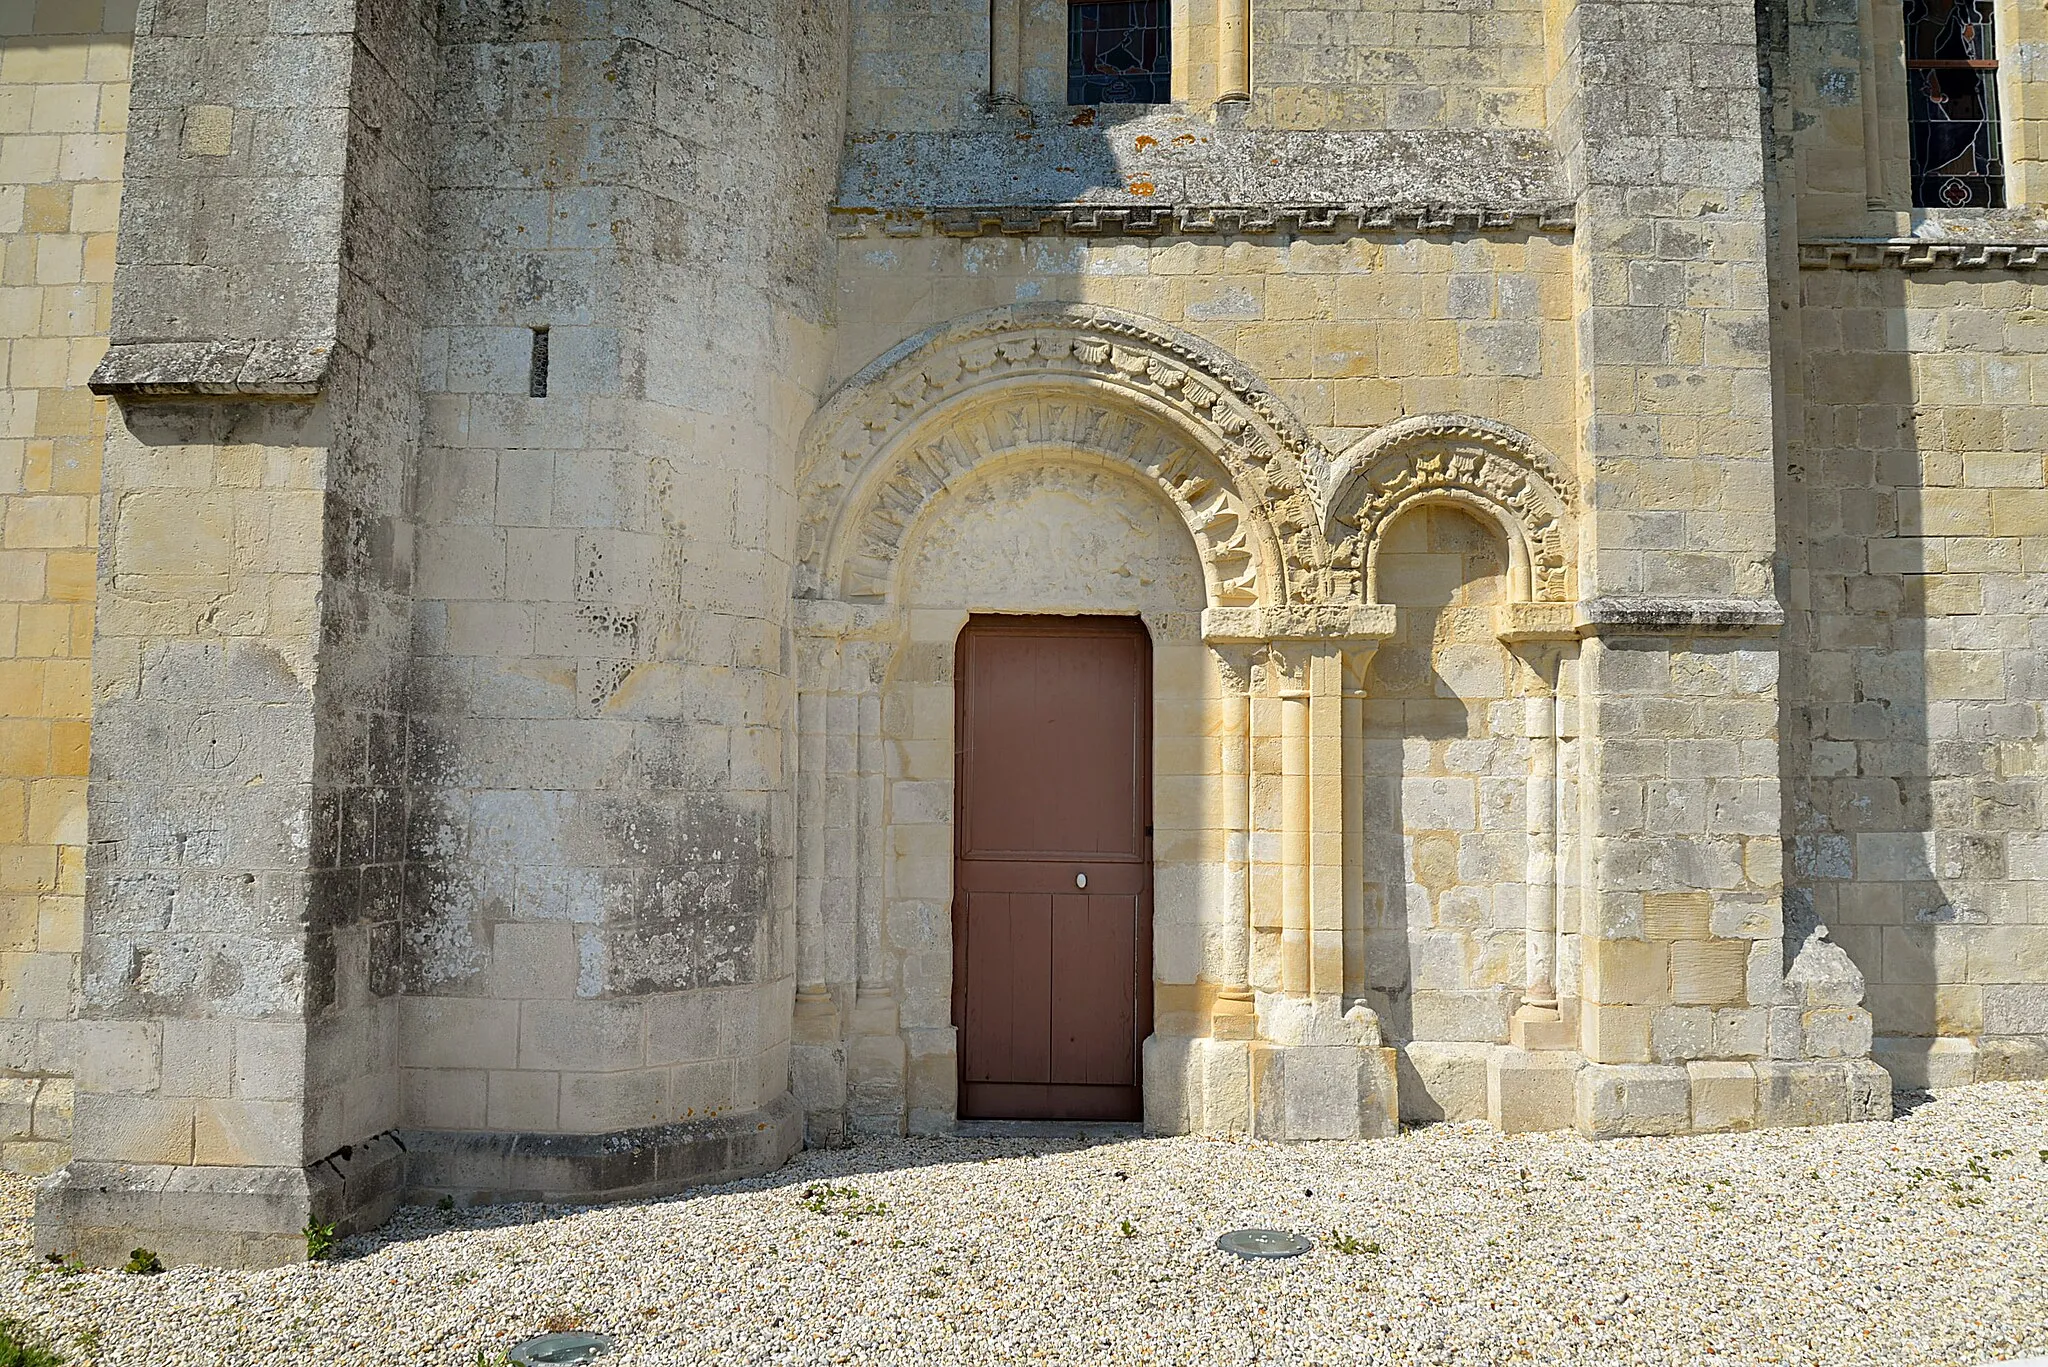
x=1127, y=1229
x=845, y=1203
x=320, y=1241
x=445, y=1204
x=20, y=1348
x=142, y=1262
x=1352, y=1244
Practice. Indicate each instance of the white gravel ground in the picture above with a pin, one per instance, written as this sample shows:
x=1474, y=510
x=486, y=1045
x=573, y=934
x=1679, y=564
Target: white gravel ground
x=1922, y=1241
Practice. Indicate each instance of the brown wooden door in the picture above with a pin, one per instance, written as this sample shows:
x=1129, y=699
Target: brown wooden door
x=1052, y=872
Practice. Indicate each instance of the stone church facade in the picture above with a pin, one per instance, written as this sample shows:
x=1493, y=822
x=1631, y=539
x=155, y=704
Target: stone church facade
x=498, y=490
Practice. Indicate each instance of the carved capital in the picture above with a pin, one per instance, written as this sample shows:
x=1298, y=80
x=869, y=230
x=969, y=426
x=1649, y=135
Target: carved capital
x=1526, y=623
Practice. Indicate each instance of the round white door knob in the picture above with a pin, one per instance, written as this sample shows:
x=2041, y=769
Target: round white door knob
x=1080, y=880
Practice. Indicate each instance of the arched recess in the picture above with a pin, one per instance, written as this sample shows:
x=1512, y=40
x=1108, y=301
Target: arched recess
x=1243, y=472
x=1486, y=467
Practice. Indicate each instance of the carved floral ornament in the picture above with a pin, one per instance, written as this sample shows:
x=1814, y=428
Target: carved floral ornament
x=1247, y=478
x=1484, y=466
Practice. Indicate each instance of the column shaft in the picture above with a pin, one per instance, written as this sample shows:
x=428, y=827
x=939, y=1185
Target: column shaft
x=1296, y=853
x=1005, y=62
x=1540, y=881
x=1233, y=50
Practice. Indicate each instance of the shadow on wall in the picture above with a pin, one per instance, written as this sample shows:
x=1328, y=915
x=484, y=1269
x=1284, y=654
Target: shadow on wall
x=1442, y=821
x=1914, y=683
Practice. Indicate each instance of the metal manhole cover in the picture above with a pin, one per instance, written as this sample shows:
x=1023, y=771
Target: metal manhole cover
x=1264, y=1243
x=559, y=1350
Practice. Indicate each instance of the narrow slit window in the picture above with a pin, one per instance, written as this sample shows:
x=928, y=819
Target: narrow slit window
x=537, y=367
x=1952, y=101
x=1119, y=52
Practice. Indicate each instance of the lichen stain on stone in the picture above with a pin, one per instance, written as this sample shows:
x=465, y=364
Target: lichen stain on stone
x=1146, y=142
x=438, y=947
x=694, y=895
x=1143, y=187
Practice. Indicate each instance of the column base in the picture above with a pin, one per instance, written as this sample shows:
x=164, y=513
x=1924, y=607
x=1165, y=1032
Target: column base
x=1529, y=1091
x=1539, y=1028
x=1321, y=1072
x=1614, y=1100
x=817, y=1068
x=215, y=1216
x=1197, y=1086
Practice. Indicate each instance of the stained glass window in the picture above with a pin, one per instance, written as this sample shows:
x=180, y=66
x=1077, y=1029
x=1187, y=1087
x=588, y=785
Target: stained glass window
x=1952, y=100
x=1118, y=52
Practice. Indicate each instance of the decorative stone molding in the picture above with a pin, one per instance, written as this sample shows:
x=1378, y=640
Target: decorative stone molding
x=1347, y=622
x=1913, y=254
x=832, y=619
x=1657, y=615
x=289, y=368
x=1243, y=472
x=1199, y=220
x=1457, y=458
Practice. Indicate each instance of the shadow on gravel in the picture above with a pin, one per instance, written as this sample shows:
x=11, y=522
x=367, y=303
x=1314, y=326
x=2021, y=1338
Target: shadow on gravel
x=1906, y=1101
x=985, y=1142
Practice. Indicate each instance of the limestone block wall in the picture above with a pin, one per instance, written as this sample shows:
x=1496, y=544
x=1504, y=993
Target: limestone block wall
x=251, y=625
x=1917, y=519
x=1398, y=64
x=1353, y=331
x=598, y=898
x=1444, y=771
x=63, y=115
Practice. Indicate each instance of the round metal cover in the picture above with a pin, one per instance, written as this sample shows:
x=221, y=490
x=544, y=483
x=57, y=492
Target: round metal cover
x=1264, y=1243
x=552, y=1349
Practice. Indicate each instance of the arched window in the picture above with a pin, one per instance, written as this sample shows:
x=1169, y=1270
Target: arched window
x=1952, y=101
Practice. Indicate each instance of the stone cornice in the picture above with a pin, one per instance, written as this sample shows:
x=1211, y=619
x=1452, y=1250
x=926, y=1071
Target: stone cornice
x=1916, y=254
x=1191, y=220
x=265, y=368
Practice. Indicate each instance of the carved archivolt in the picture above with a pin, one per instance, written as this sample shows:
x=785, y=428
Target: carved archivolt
x=1486, y=466
x=1245, y=475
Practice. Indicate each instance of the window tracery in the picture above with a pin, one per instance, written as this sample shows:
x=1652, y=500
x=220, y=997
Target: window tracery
x=1119, y=52
x=1952, y=104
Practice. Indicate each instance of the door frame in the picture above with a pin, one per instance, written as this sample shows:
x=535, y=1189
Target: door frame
x=1053, y=624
